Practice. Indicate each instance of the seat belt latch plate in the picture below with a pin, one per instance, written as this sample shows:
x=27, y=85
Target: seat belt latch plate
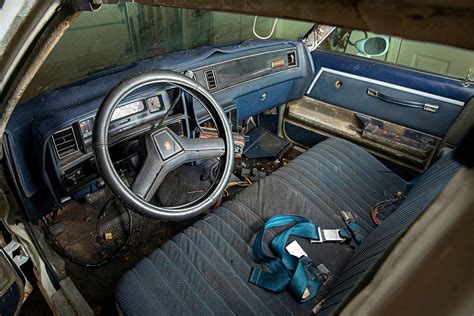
x=328, y=235
x=347, y=217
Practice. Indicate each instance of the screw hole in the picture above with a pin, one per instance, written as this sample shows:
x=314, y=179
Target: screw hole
x=338, y=84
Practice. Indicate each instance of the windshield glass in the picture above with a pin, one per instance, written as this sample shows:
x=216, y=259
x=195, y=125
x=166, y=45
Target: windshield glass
x=121, y=34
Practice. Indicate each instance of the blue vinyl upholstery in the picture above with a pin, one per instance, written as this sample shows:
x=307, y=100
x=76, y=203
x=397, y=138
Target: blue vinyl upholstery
x=205, y=269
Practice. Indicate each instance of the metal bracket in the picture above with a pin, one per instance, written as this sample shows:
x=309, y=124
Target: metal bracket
x=20, y=258
x=317, y=35
x=347, y=217
x=468, y=80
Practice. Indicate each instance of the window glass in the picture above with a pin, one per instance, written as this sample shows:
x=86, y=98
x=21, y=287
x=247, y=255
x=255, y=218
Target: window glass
x=429, y=57
x=128, y=32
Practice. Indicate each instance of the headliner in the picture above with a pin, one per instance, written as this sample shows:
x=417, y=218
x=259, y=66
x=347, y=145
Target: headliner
x=446, y=22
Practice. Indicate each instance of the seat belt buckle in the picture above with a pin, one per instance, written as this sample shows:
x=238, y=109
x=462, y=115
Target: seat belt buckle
x=328, y=235
x=311, y=269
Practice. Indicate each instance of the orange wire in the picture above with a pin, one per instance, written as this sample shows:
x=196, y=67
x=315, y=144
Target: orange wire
x=374, y=216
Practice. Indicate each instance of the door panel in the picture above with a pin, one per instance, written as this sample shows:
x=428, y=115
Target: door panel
x=396, y=113
x=389, y=73
x=351, y=92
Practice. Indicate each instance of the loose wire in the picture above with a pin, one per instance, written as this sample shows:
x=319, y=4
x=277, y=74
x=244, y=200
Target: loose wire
x=381, y=205
x=263, y=37
x=63, y=252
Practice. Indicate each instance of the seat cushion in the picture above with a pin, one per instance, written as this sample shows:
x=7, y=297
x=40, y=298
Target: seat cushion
x=205, y=269
x=382, y=239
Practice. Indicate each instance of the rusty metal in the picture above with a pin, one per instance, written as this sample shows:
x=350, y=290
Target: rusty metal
x=396, y=143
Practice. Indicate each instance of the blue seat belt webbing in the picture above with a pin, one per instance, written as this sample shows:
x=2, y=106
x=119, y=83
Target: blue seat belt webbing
x=354, y=232
x=287, y=271
x=299, y=275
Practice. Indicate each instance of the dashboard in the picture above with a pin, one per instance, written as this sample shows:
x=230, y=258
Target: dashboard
x=127, y=115
x=72, y=146
x=245, y=78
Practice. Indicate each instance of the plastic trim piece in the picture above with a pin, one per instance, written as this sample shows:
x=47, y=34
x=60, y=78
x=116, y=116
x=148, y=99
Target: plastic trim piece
x=212, y=66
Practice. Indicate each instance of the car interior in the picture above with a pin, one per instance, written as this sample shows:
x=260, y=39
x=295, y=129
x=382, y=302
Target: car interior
x=150, y=180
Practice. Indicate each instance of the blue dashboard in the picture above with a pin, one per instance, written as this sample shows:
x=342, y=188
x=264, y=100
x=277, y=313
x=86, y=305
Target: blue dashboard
x=48, y=137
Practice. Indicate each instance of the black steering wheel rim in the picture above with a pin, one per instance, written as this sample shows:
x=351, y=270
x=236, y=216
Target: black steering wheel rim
x=111, y=177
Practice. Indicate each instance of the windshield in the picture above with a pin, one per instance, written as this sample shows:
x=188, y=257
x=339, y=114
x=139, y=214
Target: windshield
x=121, y=34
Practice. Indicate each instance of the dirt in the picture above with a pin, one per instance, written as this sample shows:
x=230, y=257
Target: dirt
x=82, y=239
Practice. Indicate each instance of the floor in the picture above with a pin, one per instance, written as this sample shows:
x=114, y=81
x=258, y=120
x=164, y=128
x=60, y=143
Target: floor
x=98, y=285
x=90, y=239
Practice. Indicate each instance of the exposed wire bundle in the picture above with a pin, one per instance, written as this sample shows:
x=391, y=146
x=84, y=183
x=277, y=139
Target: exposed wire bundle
x=63, y=252
x=382, y=204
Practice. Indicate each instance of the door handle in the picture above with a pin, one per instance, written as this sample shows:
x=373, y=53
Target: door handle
x=411, y=104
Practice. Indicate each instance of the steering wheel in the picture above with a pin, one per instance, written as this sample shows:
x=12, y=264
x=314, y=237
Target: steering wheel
x=165, y=150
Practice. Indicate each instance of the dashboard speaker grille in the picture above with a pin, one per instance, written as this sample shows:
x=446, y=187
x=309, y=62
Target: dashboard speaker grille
x=210, y=79
x=65, y=142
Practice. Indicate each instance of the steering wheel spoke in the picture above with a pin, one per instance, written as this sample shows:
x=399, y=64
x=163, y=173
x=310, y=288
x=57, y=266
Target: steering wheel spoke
x=202, y=148
x=149, y=177
x=167, y=151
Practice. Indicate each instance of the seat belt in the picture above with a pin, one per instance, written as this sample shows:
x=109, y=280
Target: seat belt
x=298, y=274
x=352, y=231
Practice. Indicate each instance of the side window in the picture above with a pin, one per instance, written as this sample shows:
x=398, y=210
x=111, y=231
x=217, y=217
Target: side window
x=434, y=58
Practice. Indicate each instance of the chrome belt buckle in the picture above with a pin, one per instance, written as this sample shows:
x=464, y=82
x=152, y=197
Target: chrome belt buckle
x=332, y=235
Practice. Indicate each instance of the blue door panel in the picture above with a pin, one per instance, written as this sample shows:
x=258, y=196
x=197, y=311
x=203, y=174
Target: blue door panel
x=389, y=73
x=353, y=95
x=357, y=75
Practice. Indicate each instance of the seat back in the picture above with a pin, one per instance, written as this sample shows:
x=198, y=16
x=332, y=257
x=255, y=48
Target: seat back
x=384, y=237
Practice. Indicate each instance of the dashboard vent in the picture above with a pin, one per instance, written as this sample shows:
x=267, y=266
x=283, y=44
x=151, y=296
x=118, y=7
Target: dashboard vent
x=65, y=142
x=210, y=79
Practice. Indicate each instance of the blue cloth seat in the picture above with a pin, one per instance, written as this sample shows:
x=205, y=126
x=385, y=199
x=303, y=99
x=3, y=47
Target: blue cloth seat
x=205, y=269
